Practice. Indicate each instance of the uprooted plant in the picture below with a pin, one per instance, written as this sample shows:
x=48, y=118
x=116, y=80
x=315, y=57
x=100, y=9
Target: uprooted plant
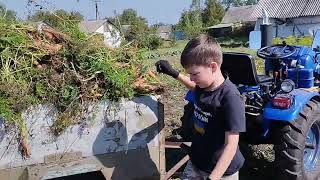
x=64, y=68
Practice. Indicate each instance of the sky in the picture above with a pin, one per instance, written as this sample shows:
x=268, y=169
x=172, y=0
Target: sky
x=155, y=11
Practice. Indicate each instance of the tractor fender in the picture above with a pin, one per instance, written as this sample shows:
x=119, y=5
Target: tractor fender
x=301, y=98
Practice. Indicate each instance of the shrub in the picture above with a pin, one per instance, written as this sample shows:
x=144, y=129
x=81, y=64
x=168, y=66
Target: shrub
x=292, y=40
x=150, y=41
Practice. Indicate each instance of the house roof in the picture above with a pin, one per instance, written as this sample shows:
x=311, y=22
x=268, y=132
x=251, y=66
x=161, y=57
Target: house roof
x=238, y=14
x=287, y=8
x=91, y=26
x=218, y=26
x=164, y=29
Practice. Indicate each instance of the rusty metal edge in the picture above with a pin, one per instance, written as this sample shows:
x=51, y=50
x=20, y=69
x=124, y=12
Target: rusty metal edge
x=162, y=155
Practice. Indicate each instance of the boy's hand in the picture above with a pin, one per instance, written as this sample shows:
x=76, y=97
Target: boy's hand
x=164, y=67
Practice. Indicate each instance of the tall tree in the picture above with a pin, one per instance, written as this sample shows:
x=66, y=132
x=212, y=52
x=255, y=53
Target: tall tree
x=6, y=13
x=191, y=23
x=57, y=18
x=213, y=13
x=236, y=3
x=137, y=25
x=195, y=5
x=251, y=2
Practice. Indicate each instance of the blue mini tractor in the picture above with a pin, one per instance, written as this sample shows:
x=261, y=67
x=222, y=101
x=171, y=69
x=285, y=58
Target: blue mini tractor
x=281, y=109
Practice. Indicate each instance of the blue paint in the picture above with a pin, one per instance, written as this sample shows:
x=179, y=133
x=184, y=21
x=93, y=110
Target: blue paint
x=301, y=98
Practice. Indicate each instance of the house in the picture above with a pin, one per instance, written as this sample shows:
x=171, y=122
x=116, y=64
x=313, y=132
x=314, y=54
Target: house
x=112, y=35
x=40, y=25
x=294, y=17
x=164, y=31
x=234, y=18
x=240, y=14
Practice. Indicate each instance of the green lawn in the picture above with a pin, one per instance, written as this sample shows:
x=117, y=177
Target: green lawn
x=173, y=53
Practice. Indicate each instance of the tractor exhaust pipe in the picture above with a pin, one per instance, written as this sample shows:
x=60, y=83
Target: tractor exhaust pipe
x=266, y=30
x=266, y=37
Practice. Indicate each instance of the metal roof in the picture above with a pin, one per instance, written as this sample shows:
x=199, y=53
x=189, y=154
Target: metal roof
x=91, y=26
x=287, y=8
x=164, y=29
x=238, y=14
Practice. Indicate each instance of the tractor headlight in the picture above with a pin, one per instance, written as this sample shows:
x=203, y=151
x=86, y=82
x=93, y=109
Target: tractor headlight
x=287, y=85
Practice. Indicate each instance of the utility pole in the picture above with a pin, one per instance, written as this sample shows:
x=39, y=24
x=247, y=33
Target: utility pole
x=97, y=9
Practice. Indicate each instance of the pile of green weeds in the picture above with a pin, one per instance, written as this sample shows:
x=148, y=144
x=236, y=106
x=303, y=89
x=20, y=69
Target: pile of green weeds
x=63, y=67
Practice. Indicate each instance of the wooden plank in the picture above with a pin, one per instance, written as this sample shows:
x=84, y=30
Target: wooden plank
x=175, y=145
x=176, y=167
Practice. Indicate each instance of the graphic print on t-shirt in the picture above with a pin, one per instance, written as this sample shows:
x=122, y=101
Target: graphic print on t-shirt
x=200, y=119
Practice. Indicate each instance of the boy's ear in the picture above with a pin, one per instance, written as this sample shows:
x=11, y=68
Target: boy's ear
x=214, y=66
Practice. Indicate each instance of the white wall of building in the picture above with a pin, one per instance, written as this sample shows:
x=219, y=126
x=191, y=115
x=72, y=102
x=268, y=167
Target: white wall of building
x=112, y=36
x=302, y=26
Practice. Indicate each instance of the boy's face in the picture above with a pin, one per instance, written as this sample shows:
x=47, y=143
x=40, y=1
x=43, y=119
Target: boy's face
x=202, y=75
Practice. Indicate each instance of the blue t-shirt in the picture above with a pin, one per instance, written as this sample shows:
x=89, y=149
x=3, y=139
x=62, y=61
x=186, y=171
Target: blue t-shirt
x=216, y=112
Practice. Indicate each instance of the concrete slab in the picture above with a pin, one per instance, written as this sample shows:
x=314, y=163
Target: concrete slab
x=112, y=138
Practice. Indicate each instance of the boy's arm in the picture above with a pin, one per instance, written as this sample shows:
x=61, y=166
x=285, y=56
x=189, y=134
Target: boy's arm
x=164, y=67
x=186, y=81
x=229, y=151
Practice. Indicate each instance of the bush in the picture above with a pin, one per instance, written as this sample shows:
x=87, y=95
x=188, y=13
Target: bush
x=150, y=41
x=292, y=40
x=305, y=41
x=229, y=42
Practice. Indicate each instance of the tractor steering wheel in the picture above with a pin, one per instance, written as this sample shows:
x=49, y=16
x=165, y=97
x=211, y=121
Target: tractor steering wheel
x=276, y=51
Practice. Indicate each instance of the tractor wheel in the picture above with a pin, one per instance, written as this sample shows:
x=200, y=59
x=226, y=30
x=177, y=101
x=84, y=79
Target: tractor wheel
x=298, y=151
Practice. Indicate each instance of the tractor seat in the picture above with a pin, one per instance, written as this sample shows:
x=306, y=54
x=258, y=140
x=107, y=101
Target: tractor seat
x=241, y=69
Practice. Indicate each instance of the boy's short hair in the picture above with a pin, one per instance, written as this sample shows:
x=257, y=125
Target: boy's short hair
x=201, y=50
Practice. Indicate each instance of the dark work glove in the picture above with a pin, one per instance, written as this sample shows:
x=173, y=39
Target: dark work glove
x=164, y=67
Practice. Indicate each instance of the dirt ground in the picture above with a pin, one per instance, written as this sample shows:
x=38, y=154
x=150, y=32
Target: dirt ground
x=259, y=158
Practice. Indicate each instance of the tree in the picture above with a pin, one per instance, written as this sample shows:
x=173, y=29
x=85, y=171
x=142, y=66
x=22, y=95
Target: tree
x=251, y=2
x=236, y=3
x=195, y=5
x=57, y=18
x=191, y=23
x=137, y=24
x=213, y=13
x=7, y=14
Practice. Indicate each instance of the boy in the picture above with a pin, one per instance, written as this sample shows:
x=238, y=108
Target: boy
x=219, y=114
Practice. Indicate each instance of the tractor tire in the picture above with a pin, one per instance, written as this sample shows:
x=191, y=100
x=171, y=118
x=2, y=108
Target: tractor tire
x=298, y=149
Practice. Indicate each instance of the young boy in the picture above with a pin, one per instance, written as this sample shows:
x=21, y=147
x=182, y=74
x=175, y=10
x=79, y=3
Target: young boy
x=219, y=114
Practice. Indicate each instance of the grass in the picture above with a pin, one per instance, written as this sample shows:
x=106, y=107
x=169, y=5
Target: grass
x=174, y=52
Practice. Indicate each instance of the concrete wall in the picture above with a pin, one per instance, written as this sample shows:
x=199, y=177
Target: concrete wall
x=164, y=35
x=122, y=140
x=302, y=26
